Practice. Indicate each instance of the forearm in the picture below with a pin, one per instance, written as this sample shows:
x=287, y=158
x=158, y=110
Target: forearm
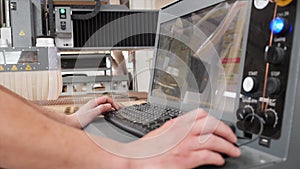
x=59, y=117
x=70, y=120
x=31, y=140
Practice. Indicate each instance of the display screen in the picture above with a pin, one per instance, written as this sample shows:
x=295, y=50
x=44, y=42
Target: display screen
x=199, y=54
x=18, y=57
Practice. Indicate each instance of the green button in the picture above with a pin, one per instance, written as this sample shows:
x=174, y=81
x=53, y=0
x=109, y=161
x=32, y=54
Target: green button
x=62, y=11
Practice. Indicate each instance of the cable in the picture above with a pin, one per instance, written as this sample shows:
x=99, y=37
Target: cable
x=88, y=15
x=263, y=107
x=261, y=122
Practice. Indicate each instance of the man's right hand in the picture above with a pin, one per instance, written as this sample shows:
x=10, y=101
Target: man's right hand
x=206, y=140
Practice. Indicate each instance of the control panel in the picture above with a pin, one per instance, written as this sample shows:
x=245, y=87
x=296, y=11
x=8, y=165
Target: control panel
x=266, y=67
x=63, y=20
x=63, y=27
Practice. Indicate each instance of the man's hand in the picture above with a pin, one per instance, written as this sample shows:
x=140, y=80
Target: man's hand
x=90, y=111
x=202, y=145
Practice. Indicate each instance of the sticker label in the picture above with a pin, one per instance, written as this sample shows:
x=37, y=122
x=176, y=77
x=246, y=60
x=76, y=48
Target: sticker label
x=22, y=33
x=28, y=67
x=14, y=68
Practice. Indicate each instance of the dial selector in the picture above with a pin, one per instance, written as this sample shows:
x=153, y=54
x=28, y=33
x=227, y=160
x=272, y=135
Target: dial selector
x=273, y=85
x=274, y=55
x=270, y=117
x=243, y=112
x=250, y=84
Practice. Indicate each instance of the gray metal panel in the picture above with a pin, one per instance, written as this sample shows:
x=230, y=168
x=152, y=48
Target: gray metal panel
x=22, y=23
x=292, y=161
x=1, y=14
x=183, y=7
x=113, y=7
x=37, y=18
x=45, y=59
x=93, y=79
x=26, y=22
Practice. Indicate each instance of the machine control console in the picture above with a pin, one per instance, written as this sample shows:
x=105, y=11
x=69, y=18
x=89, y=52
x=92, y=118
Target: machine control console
x=266, y=67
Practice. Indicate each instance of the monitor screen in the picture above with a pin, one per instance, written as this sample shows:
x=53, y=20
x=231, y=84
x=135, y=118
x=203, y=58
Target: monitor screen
x=198, y=55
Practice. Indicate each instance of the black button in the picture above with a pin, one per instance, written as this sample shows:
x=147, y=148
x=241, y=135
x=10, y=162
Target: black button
x=273, y=85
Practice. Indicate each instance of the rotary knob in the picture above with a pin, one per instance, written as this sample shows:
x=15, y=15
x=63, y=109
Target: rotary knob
x=274, y=55
x=250, y=84
x=271, y=118
x=273, y=85
x=243, y=112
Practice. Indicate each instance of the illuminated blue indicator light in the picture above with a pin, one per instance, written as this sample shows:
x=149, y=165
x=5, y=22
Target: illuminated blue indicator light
x=62, y=11
x=277, y=25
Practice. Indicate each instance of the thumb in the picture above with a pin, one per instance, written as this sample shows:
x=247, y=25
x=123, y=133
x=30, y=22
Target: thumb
x=88, y=116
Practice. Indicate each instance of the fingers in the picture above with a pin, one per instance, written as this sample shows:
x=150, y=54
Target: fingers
x=207, y=152
x=198, y=122
x=204, y=124
x=224, y=131
x=188, y=119
x=107, y=99
x=182, y=124
x=212, y=134
x=208, y=124
x=212, y=143
x=218, y=144
x=83, y=117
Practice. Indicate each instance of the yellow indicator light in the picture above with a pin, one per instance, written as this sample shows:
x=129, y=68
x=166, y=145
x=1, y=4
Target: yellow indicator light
x=283, y=3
